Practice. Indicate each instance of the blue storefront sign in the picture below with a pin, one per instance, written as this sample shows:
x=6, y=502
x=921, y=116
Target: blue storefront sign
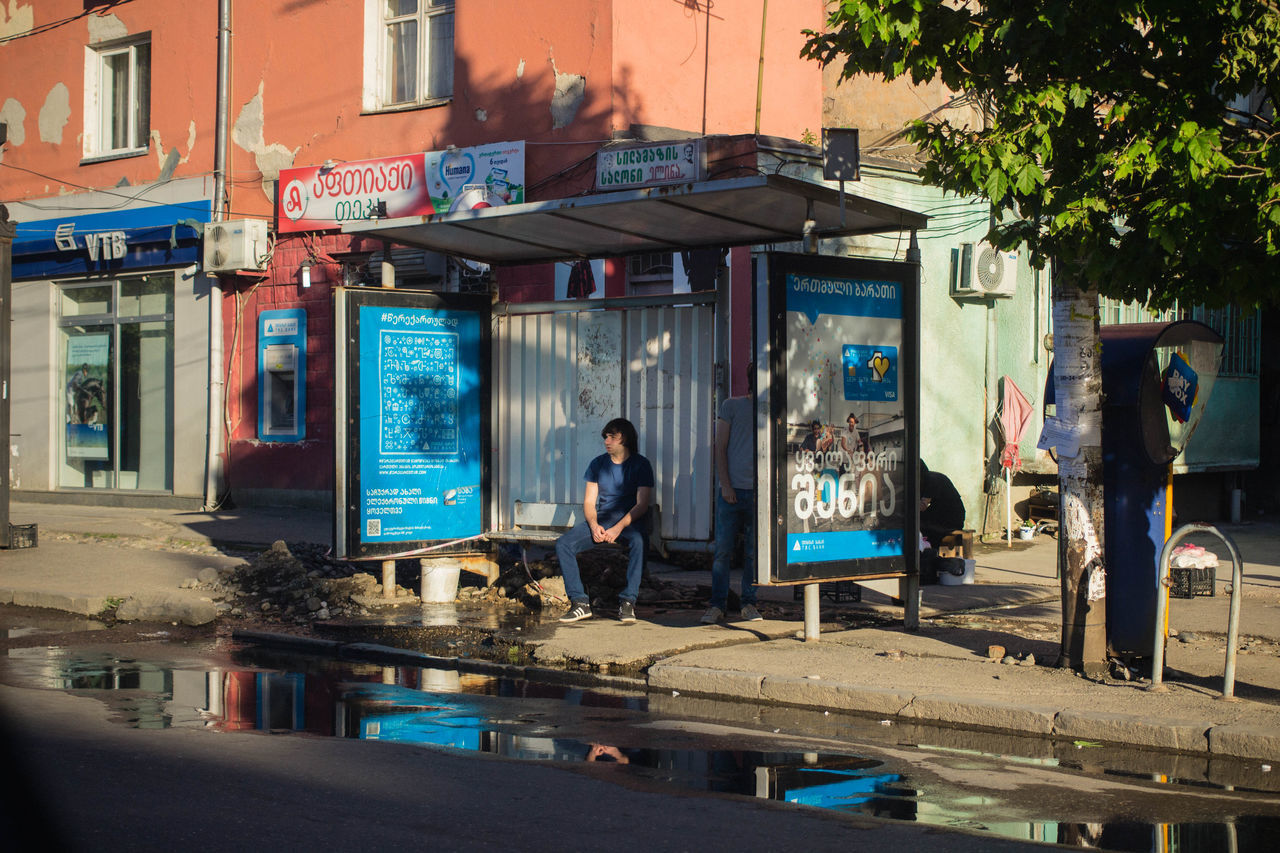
x=163, y=235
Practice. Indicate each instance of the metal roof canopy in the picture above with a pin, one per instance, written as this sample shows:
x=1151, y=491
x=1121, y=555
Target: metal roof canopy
x=733, y=212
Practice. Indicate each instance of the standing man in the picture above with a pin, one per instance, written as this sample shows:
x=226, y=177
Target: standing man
x=735, y=502
x=615, y=508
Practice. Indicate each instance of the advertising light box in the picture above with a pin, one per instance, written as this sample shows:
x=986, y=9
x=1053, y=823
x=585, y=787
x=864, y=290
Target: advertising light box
x=412, y=455
x=842, y=411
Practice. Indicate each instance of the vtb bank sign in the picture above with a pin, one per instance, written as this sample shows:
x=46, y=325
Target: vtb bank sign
x=101, y=245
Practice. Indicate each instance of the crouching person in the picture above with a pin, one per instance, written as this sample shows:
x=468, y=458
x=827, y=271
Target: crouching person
x=615, y=509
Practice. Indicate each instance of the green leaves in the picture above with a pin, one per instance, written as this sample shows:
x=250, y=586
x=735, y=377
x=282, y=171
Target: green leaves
x=1107, y=140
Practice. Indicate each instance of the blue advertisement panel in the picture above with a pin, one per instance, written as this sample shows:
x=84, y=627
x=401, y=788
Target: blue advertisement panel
x=420, y=384
x=841, y=396
x=87, y=369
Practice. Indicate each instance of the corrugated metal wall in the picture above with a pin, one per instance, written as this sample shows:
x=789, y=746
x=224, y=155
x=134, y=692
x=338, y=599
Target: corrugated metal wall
x=560, y=376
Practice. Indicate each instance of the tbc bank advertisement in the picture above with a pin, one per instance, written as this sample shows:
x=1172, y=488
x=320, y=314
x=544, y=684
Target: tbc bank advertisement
x=844, y=483
x=420, y=428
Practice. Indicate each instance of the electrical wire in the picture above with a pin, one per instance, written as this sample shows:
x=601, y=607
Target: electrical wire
x=71, y=19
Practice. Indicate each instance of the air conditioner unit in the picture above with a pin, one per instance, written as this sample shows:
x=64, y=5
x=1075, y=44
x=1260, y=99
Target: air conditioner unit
x=980, y=270
x=237, y=244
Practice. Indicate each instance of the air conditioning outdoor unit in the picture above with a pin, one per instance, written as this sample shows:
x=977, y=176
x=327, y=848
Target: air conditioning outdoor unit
x=980, y=270
x=237, y=244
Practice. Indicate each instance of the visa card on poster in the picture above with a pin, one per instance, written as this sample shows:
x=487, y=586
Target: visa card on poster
x=870, y=372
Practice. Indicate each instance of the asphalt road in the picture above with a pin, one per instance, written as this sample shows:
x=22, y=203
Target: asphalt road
x=81, y=782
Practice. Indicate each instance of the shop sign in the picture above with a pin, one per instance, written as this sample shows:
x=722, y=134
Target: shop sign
x=107, y=245
x=155, y=236
x=649, y=165
x=477, y=177
x=319, y=198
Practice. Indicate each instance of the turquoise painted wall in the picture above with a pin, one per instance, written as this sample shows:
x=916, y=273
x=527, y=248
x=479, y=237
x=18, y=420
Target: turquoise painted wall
x=1229, y=434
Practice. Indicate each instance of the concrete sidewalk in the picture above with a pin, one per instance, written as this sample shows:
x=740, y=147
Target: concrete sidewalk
x=942, y=674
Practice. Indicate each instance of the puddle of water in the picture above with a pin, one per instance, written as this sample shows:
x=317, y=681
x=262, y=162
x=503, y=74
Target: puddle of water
x=28, y=624
x=534, y=721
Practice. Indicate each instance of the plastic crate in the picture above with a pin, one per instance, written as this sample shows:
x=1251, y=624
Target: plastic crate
x=841, y=592
x=23, y=536
x=1188, y=583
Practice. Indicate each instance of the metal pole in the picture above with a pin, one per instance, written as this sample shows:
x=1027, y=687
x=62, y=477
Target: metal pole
x=214, y=444
x=8, y=230
x=811, y=620
x=388, y=275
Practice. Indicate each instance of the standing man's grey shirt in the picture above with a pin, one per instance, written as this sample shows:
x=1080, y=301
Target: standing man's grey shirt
x=739, y=415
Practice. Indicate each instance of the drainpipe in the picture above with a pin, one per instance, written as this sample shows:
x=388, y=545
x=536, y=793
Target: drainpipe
x=764, y=16
x=214, y=444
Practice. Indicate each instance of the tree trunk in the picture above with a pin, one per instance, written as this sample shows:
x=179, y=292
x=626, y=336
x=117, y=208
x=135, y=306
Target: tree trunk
x=1077, y=376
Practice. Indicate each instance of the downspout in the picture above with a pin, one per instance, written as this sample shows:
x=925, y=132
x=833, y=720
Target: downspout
x=214, y=444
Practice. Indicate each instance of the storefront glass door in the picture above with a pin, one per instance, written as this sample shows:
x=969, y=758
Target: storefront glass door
x=116, y=375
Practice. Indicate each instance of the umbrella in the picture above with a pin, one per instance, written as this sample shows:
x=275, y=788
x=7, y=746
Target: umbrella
x=1012, y=414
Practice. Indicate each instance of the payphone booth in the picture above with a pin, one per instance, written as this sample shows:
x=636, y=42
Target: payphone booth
x=1156, y=381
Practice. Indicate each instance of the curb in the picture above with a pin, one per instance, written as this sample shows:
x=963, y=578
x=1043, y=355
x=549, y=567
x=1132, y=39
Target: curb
x=1228, y=740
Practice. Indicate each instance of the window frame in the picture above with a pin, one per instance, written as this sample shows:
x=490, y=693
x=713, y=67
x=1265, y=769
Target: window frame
x=376, y=96
x=97, y=119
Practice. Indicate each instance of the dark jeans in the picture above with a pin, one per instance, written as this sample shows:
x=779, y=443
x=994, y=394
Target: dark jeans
x=573, y=542
x=730, y=519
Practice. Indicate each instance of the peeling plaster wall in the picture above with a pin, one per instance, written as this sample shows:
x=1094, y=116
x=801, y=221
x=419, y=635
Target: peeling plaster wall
x=248, y=134
x=55, y=114
x=17, y=18
x=105, y=28
x=296, y=90
x=14, y=115
x=567, y=98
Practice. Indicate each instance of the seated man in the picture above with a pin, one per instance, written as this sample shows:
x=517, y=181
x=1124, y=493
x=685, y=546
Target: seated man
x=941, y=508
x=619, y=487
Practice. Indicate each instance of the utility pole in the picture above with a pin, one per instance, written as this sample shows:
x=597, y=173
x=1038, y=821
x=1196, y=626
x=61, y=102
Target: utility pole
x=7, y=232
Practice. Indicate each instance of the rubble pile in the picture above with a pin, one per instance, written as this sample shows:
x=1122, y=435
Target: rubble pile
x=301, y=582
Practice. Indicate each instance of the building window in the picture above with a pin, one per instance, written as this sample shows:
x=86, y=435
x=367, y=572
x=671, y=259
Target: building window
x=1240, y=329
x=408, y=53
x=117, y=98
x=650, y=273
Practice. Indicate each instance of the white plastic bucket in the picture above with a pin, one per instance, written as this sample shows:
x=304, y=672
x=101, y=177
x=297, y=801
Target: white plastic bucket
x=439, y=581
x=948, y=579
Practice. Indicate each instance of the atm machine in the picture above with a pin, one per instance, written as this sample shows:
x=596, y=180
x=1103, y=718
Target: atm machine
x=282, y=374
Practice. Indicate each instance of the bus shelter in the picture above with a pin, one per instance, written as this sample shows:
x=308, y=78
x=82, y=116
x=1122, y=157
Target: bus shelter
x=458, y=417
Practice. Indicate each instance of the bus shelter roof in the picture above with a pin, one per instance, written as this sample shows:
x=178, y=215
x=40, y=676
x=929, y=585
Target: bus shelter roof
x=757, y=209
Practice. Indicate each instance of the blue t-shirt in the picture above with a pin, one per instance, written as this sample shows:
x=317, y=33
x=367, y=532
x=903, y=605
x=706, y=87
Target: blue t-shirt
x=618, y=485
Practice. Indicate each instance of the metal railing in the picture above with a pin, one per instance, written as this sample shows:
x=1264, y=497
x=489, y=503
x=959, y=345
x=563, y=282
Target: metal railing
x=1162, y=606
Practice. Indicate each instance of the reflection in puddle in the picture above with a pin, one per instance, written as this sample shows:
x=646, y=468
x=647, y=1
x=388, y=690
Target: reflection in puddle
x=501, y=716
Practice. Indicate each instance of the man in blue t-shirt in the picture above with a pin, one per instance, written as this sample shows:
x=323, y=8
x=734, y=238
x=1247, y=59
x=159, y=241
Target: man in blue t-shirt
x=614, y=509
